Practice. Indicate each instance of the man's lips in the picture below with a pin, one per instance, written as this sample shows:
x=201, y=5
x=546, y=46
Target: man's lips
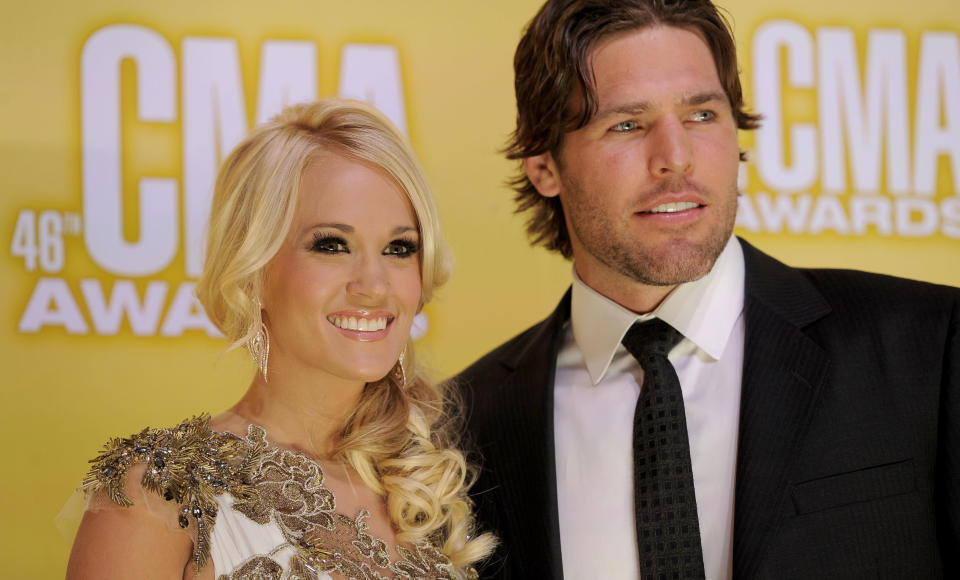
x=671, y=198
x=672, y=207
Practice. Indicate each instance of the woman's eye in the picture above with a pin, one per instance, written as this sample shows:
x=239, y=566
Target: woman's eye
x=702, y=116
x=401, y=248
x=625, y=127
x=329, y=245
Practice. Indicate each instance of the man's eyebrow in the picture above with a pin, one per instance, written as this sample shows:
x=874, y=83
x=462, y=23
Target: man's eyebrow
x=631, y=108
x=641, y=107
x=702, y=98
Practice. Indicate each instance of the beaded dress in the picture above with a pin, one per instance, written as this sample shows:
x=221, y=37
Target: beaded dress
x=254, y=510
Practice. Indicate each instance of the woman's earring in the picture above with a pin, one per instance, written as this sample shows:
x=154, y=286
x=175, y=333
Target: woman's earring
x=399, y=373
x=259, y=348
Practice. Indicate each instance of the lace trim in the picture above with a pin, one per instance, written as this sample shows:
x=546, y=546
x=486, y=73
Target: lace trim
x=192, y=464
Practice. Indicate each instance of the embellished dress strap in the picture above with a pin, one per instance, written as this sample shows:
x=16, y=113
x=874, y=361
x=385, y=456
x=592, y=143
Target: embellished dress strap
x=272, y=498
x=190, y=464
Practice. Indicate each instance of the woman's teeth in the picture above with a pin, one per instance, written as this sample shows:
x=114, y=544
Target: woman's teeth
x=361, y=324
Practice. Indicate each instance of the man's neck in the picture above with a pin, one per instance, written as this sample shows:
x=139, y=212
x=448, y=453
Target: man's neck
x=632, y=295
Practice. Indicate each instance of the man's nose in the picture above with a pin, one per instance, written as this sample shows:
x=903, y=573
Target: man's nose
x=671, y=152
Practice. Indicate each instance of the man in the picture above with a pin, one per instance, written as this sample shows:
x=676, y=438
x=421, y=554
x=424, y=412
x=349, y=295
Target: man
x=818, y=422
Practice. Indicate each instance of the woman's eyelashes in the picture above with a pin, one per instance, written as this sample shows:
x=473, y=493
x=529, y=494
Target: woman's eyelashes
x=402, y=248
x=333, y=244
x=327, y=244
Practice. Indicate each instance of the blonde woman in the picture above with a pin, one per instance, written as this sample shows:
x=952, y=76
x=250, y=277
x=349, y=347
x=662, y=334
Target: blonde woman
x=339, y=461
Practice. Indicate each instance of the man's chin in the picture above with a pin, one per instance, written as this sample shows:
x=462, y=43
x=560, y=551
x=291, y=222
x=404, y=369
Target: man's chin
x=675, y=266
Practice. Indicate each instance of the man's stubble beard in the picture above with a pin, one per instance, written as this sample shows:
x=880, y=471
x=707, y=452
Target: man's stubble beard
x=682, y=262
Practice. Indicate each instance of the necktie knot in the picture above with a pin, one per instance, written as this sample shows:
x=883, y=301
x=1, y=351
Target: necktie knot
x=651, y=338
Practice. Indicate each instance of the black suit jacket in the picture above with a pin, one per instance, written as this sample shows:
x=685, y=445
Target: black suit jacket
x=848, y=461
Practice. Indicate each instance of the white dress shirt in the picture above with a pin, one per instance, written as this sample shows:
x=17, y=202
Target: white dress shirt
x=596, y=389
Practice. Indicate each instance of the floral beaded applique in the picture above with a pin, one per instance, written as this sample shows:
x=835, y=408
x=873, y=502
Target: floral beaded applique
x=189, y=464
x=192, y=464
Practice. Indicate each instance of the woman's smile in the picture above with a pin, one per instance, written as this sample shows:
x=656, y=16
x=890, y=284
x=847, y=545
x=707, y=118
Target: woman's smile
x=363, y=326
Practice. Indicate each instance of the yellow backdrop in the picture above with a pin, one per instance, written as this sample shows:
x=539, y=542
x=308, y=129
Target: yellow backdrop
x=102, y=102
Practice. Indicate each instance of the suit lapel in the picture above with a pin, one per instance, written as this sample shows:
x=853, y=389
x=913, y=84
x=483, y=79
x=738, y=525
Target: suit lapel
x=783, y=371
x=524, y=460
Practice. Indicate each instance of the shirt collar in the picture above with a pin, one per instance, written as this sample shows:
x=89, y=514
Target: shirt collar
x=704, y=311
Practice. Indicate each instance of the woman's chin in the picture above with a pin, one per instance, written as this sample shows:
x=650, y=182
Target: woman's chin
x=375, y=373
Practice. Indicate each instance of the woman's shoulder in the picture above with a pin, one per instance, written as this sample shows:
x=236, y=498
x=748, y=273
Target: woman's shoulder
x=187, y=465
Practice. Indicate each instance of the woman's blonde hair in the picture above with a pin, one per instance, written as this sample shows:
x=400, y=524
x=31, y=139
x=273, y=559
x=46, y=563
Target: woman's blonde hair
x=402, y=436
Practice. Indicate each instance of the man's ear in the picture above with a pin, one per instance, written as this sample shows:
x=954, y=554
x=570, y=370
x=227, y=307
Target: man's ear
x=543, y=172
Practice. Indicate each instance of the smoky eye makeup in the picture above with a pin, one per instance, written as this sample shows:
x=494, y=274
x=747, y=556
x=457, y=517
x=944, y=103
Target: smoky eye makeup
x=326, y=243
x=402, y=247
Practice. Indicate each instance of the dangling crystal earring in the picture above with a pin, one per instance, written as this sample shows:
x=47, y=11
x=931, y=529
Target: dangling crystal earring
x=399, y=373
x=259, y=349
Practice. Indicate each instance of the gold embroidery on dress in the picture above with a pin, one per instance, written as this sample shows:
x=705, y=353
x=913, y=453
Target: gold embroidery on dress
x=349, y=550
x=289, y=488
x=189, y=464
x=192, y=464
x=258, y=568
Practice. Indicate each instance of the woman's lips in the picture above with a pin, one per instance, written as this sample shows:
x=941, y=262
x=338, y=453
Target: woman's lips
x=361, y=326
x=360, y=323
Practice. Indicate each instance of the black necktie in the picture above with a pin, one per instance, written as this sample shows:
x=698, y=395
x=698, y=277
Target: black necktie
x=668, y=530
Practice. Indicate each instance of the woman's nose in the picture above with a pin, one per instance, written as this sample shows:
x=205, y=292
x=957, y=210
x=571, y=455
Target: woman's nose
x=369, y=279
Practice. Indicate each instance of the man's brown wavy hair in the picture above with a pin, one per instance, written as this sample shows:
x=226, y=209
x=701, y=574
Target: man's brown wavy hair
x=553, y=66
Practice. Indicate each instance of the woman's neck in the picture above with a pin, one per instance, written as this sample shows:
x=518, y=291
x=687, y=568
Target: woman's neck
x=300, y=411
